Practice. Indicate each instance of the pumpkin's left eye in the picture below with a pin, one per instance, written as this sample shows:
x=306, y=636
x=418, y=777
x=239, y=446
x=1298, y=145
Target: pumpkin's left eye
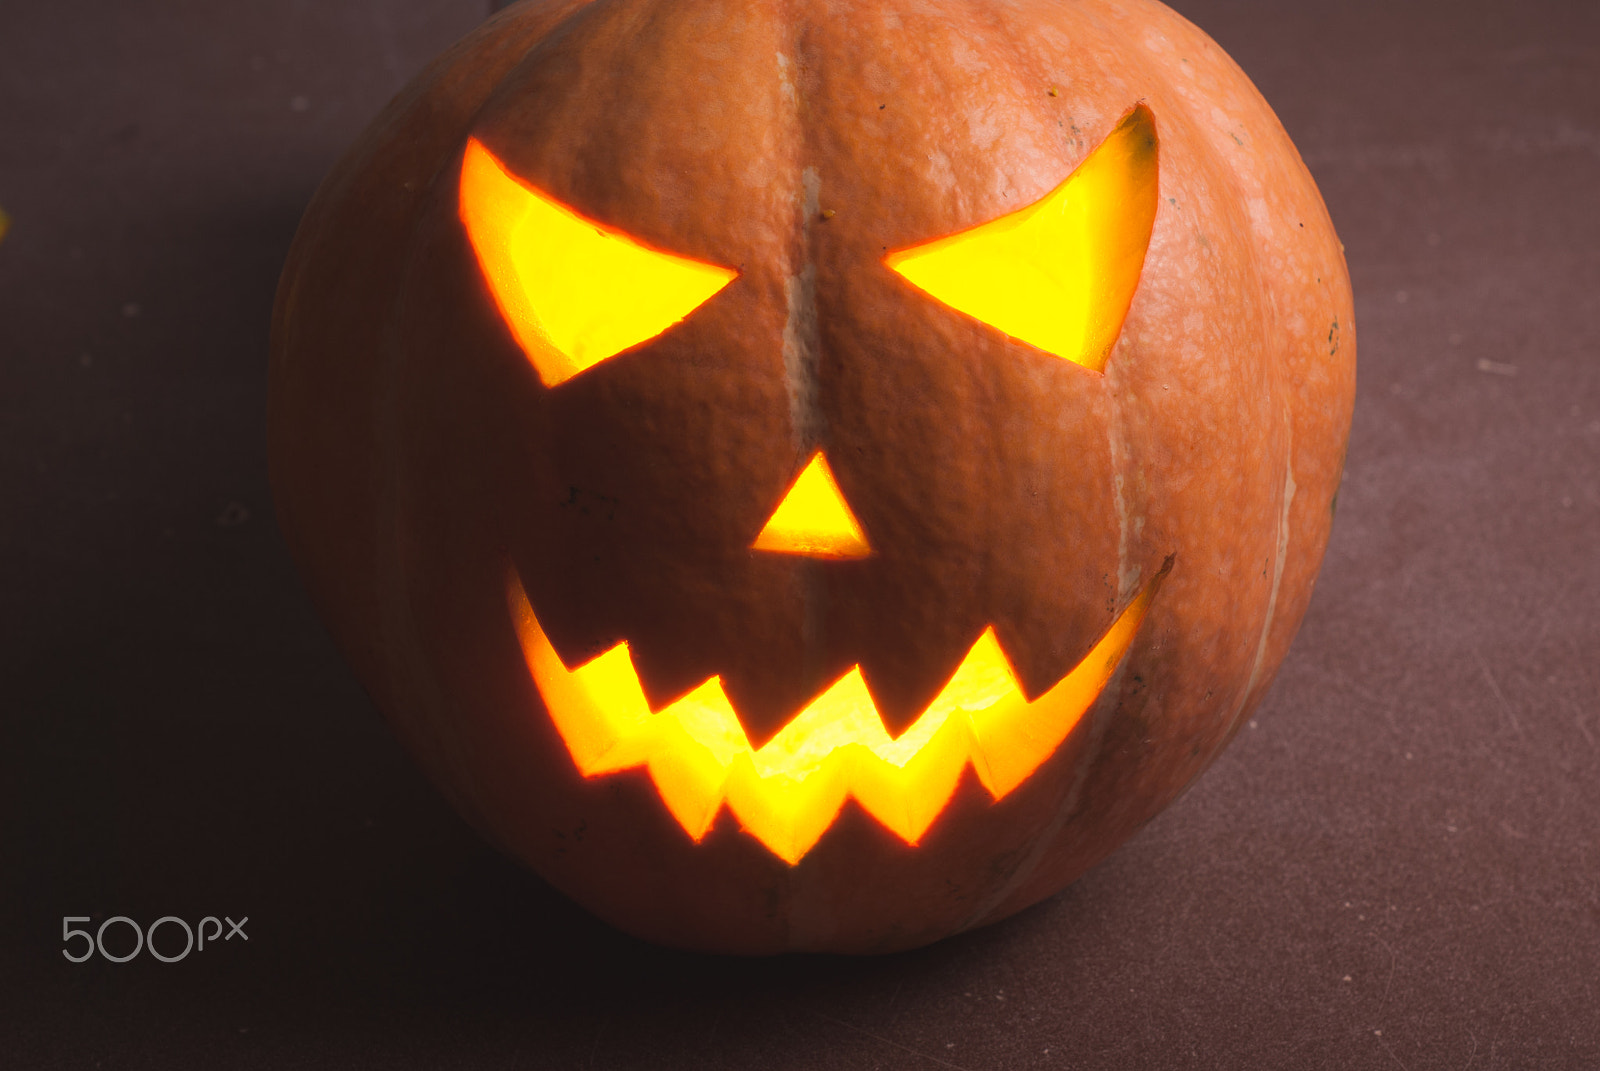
x=573, y=291
x=1060, y=273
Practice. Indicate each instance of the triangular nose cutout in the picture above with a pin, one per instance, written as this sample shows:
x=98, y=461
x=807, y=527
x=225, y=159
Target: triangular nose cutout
x=813, y=519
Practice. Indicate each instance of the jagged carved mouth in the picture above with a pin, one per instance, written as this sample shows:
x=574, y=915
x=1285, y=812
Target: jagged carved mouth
x=789, y=791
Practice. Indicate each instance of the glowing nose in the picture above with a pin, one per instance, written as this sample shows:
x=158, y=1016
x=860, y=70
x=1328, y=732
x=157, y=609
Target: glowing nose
x=813, y=519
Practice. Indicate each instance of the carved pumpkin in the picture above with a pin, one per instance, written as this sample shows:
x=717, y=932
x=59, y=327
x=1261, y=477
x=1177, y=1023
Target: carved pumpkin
x=815, y=477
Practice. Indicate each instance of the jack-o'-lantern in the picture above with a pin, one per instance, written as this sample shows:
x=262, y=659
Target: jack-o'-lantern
x=815, y=476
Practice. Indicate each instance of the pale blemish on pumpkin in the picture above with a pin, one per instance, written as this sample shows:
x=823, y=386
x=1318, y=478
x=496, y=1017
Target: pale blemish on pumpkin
x=941, y=173
x=785, y=83
x=985, y=128
x=1157, y=42
x=1261, y=218
x=967, y=59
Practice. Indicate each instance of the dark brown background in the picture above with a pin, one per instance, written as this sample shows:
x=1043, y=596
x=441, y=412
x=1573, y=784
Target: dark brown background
x=1395, y=865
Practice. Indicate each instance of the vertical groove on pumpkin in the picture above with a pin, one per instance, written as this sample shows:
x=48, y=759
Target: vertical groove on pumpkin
x=802, y=342
x=800, y=334
x=1098, y=717
x=1116, y=443
x=1280, y=553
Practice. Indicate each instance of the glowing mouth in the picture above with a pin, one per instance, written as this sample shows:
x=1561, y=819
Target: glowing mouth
x=788, y=792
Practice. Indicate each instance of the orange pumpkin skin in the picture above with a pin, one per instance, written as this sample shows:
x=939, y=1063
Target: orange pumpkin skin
x=416, y=455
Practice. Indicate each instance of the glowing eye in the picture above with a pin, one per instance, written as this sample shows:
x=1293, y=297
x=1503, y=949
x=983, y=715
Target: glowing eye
x=1059, y=274
x=572, y=291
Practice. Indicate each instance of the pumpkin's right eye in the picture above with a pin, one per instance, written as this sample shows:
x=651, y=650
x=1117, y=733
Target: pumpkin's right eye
x=1060, y=273
x=572, y=291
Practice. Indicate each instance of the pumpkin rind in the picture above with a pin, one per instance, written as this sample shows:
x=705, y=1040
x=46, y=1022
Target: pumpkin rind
x=416, y=455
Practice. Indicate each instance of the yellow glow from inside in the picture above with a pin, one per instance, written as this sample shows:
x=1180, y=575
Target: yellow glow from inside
x=1059, y=274
x=788, y=792
x=813, y=519
x=572, y=291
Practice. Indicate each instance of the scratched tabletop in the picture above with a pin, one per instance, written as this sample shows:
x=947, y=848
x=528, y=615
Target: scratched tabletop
x=1395, y=865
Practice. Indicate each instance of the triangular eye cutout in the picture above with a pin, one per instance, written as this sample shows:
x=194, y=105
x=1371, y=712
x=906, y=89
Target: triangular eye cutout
x=1060, y=273
x=573, y=291
x=813, y=519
